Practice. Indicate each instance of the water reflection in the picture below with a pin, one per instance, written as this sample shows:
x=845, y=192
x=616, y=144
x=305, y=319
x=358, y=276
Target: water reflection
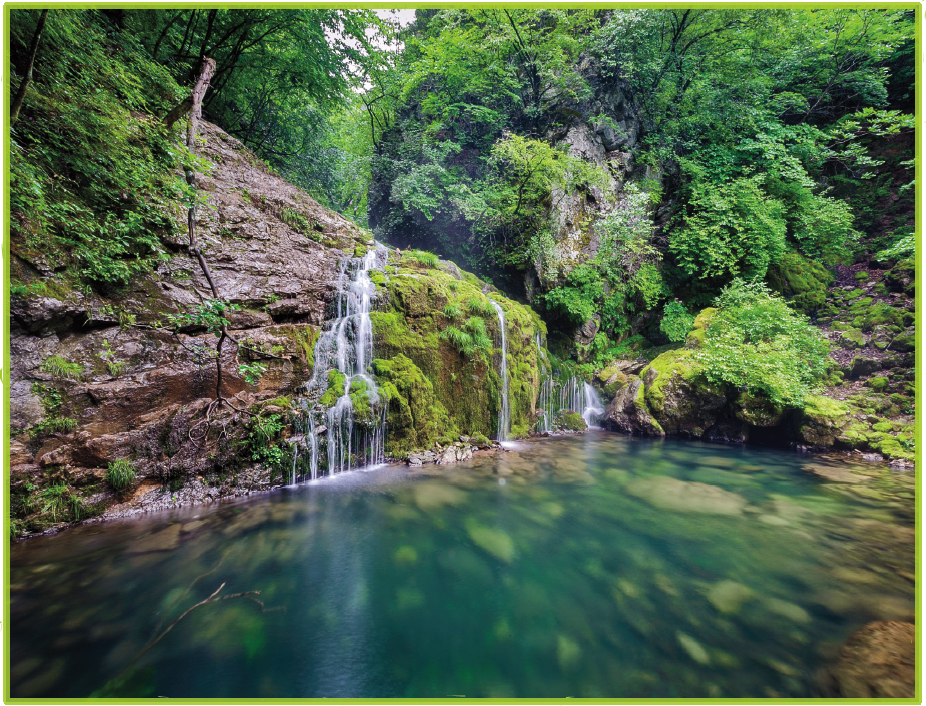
x=587, y=566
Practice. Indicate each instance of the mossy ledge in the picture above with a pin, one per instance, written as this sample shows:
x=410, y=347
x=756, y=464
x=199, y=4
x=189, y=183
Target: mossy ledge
x=437, y=391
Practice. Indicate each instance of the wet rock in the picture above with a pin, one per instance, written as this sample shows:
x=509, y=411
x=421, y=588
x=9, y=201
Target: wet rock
x=877, y=661
x=693, y=648
x=629, y=413
x=835, y=474
x=494, y=541
x=160, y=541
x=729, y=596
x=667, y=493
x=430, y=496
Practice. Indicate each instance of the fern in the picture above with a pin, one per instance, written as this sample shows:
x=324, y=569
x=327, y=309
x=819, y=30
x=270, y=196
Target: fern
x=59, y=367
x=426, y=258
x=452, y=311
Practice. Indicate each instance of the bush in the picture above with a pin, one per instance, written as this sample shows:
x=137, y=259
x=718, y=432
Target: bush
x=676, y=321
x=577, y=299
x=59, y=500
x=733, y=230
x=471, y=339
x=120, y=475
x=758, y=344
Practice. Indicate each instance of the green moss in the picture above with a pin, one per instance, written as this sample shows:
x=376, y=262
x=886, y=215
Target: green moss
x=415, y=418
x=336, y=380
x=879, y=315
x=878, y=384
x=661, y=370
x=853, y=338
x=804, y=281
x=570, y=421
x=861, y=276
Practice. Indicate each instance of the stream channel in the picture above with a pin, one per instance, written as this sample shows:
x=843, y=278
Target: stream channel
x=593, y=565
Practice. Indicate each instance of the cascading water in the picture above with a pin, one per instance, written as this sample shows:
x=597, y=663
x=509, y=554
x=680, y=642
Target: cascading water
x=569, y=395
x=503, y=372
x=353, y=428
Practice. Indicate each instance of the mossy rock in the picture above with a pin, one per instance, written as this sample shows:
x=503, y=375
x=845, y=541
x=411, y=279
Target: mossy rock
x=853, y=338
x=570, y=421
x=861, y=276
x=878, y=315
x=822, y=418
x=878, y=384
x=758, y=411
x=678, y=396
x=803, y=281
x=413, y=414
x=417, y=307
x=902, y=277
x=905, y=343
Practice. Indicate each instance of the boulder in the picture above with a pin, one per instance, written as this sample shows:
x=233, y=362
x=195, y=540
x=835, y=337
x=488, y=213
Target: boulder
x=628, y=412
x=679, y=398
x=877, y=662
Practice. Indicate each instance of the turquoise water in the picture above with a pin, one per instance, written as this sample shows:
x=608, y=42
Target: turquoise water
x=586, y=566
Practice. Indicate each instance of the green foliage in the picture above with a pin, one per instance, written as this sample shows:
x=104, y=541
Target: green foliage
x=252, y=372
x=733, y=230
x=676, y=321
x=577, y=298
x=60, y=502
x=263, y=442
x=209, y=314
x=59, y=367
x=471, y=339
x=93, y=171
x=428, y=259
x=120, y=475
x=756, y=343
x=452, y=310
x=480, y=306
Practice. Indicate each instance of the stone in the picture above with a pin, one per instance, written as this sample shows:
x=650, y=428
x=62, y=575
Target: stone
x=493, y=541
x=433, y=495
x=862, y=366
x=877, y=661
x=159, y=541
x=568, y=653
x=629, y=413
x=665, y=493
x=834, y=473
x=728, y=596
x=693, y=648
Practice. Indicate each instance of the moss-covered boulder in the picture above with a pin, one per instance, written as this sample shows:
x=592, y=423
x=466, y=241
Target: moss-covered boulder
x=902, y=277
x=414, y=416
x=443, y=321
x=629, y=413
x=853, y=338
x=570, y=421
x=758, y=411
x=803, y=281
x=678, y=396
x=821, y=420
x=699, y=328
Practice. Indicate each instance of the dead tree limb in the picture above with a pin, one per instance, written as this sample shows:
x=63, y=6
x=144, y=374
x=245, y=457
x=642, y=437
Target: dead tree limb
x=27, y=73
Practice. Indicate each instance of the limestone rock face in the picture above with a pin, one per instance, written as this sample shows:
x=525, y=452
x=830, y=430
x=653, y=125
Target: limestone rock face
x=877, y=662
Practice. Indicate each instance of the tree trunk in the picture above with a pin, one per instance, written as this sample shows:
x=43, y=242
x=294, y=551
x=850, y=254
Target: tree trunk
x=27, y=73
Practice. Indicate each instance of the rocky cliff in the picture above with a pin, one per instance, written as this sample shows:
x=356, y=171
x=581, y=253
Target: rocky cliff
x=100, y=378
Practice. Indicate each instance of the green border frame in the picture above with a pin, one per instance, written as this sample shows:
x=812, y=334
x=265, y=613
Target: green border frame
x=5, y=380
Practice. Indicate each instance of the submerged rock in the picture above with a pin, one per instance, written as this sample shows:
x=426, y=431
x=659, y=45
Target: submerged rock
x=729, y=596
x=666, y=493
x=877, y=661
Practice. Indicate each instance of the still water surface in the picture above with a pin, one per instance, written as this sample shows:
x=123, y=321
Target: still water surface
x=586, y=566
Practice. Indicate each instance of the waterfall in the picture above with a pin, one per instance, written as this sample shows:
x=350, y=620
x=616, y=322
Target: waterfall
x=352, y=437
x=567, y=395
x=594, y=406
x=503, y=411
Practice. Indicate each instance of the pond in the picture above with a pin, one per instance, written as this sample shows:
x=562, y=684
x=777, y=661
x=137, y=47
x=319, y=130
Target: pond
x=594, y=565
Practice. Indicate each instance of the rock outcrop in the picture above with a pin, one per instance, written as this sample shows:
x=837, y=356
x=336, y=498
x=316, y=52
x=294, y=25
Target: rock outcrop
x=101, y=376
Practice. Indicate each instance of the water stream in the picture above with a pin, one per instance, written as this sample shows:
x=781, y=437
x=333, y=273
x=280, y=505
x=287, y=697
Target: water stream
x=568, y=395
x=503, y=413
x=350, y=440
x=593, y=565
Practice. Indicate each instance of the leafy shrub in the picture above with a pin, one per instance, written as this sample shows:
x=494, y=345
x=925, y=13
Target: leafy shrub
x=676, y=321
x=733, y=230
x=758, y=344
x=120, y=475
x=263, y=442
x=576, y=300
